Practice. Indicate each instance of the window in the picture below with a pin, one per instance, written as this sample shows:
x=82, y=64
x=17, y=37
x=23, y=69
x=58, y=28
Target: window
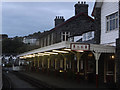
x=112, y=22
x=65, y=36
x=84, y=37
x=89, y=35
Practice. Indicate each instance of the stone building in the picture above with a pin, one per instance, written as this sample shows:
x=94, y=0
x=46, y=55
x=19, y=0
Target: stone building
x=76, y=25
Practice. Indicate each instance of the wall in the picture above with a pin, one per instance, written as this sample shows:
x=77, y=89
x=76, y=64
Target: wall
x=107, y=9
x=0, y=74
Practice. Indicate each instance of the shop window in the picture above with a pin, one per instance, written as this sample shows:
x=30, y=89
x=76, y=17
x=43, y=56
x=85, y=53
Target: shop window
x=112, y=22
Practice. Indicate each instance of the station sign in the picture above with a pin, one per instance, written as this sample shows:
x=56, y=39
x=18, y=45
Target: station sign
x=80, y=46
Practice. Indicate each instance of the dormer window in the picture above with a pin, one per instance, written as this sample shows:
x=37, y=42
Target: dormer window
x=112, y=22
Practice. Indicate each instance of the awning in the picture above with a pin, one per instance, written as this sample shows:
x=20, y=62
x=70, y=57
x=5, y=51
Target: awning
x=77, y=45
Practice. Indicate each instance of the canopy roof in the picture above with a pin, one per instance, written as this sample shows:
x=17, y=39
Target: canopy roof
x=66, y=44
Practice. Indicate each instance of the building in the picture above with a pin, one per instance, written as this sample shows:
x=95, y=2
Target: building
x=87, y=37
x=58, y=54
x=3, y=36
x=30, y=41
x=108, y=14
x=107, y=28
x=76, y=25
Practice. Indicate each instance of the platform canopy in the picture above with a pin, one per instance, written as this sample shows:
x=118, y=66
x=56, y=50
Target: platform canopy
x=75, y=46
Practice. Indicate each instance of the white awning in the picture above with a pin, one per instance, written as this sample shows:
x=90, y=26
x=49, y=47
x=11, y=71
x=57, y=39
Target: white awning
x=66, y=44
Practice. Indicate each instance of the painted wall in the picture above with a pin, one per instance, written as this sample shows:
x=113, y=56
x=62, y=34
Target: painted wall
x=0, y=72
x=109, y=37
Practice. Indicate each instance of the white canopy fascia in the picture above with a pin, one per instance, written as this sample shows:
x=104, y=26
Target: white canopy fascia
x=60, y=45
x=66, y=44
x=102, y=48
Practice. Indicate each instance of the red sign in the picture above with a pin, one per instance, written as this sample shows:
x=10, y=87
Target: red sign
x=78, y=46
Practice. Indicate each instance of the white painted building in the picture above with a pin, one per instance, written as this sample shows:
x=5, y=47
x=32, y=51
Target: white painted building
x=109, y=23
x=31, y=41
x=0, y=72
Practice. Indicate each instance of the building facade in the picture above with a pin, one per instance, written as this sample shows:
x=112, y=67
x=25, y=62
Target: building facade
x=31, y=41
x=99, y=58
x=76, y=25
x=107, y=19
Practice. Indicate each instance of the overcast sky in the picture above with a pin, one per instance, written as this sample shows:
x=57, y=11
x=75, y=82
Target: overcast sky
x=24, y=18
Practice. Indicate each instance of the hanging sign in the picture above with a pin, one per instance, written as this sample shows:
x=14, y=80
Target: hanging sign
x=79, y=46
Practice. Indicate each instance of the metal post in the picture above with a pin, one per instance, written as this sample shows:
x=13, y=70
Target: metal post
x=97, y=55
x=48, y=63
x=65, y=63
x=115, y=72
x=55, y=63
x=78, y=63
x=42, y=62
x=38, y=63
x=34, y=62
x=104, y=71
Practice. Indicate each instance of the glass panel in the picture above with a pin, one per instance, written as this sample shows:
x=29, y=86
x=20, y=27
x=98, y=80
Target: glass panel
x=63, y=37
x=110, y=16
x=113, y=15
x=63, y=32
x=107, y=18
x=117, y=23
x=107, y=26
x=113, y=24
x=66, y=37
x=84, y=37
x=66, y=32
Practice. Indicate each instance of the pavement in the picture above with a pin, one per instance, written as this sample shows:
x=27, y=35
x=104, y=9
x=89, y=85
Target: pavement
x=60, y=82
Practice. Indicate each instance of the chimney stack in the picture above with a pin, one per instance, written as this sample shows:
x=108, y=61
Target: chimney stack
x=58, y=20
x=81, y=7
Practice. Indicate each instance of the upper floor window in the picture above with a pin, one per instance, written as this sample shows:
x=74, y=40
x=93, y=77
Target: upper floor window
x=112, y=22
x=65, y=36
x=84, y=37
x=88, y=36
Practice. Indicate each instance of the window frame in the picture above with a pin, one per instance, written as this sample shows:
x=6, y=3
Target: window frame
x=65, y=35
x=110, y=26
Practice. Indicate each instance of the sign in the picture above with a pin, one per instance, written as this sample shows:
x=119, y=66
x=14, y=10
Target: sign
x=79, y=46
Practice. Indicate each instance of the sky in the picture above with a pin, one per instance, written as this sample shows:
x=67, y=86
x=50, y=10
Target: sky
x=24, y=18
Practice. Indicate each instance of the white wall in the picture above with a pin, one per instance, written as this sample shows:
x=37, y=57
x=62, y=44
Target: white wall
x=0, y=72
x=107, y=9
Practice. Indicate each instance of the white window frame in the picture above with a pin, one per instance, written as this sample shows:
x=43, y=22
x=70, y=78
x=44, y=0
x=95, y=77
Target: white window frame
x=109, y=20
x=64, y=34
